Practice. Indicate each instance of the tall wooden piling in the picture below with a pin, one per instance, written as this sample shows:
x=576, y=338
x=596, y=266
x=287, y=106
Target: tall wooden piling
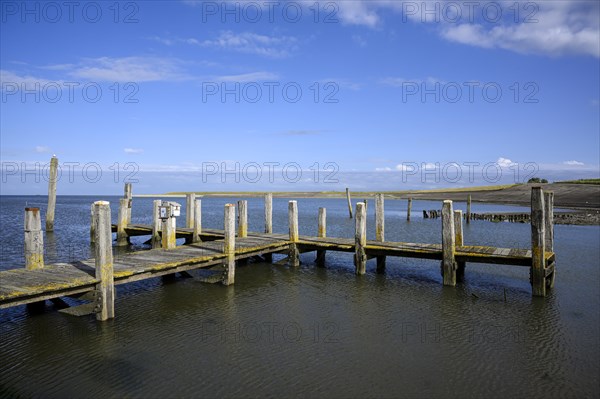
x=34, y=239
x=242, y=218
x=408, y=209
x=360, y=239
x=380, y=228
x=538, y=242
x=156, y=224
x=122, y=238
x=229, y=245
x=349, y=202
x=268, y=221
x=549, y=233
x=448, y=245
x=459, y=242
x=169, y=230
x=197, y=221
x=92, y=226
x=190, y=200
x=294, y=255
x=128, y=194
x=469, y=209
x=52, y=180
x=322, y=232
x=103, y=258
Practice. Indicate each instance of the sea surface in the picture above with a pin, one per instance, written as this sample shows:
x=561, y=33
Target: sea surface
x=312, y=332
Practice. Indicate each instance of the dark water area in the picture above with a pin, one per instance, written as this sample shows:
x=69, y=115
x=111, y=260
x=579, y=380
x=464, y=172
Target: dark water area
x=310, y=332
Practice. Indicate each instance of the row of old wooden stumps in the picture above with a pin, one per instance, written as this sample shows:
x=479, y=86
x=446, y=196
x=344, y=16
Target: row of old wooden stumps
x=452, y=236
x=490, y=217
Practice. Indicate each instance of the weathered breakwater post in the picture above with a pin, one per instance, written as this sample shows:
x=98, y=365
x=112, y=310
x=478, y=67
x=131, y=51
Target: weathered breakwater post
x=92, y=226
x=549, y=226
x=122, y=238
x=197, y=221
x=103, y=258
x=268, y=221
x=242, y=218
x=448, y=245
x=52, y=180
x=229, y=245
x=169, y=211
x=294, y=254
x=322, y=233
x=34, y=239
x=349, y=202
x=156, y=224
x=469, y=209
x=459, y=242
x=129, y=196
x=360, y=239
x=380, y=228
x=190, y=200
x=538, y=243
x=408, y=209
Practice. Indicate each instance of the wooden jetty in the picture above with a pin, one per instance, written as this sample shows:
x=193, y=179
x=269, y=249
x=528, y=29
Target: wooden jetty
x=219, y=250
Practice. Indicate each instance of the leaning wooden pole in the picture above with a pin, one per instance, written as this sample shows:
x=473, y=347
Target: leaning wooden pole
x=360, y=239
x=293, y=253
x=128, y=194
x=349, y=202
x=538, y=243
x=189, y=210
x=448, y=245
x=103, y=259
x=469, y=209
x=242, y=218
x=459, y=241
x=380, y=228
x=156, y=224
x=34, y=239
x=52, y=180
x=322, y=233
x=408, y=209
x=549, y=226
x=229, y=245
x=122, y=238
x=197, y=221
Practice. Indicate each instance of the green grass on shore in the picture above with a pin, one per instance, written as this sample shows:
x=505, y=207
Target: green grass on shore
x=581, y=181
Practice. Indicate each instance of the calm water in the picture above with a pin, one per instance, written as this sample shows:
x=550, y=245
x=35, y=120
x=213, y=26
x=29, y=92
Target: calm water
x=313, y=332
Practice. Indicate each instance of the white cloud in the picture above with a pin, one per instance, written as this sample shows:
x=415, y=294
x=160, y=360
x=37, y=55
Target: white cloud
x=573, y=163
x=253, y=43
x=248, y=77
x=399, y=82
x=504, y=162
x=386, y=169
x=30, y=82
x=41, y=149
x=129, y=69
x=133, y=150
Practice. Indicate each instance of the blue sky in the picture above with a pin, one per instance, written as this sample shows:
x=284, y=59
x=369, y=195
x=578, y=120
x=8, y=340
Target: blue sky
x=381, y=95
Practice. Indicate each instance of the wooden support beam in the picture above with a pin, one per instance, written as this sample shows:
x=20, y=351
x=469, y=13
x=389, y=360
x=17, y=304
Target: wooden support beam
x=380, y=228
x=242, y=218
x=360, y=239
x=294, y=254
x=268, y=221
x=190, y=200
x=349, y=202
x=34, y=239
x=229, y=245
x=448, y=245
x=469, y=209
x=122, y=238
x=322, y=232
x=549, y=237
x=459, y=242
x=52, y=180
x=408, y=209
x=197, y=221
x=538, y=242
x=92, y=227
x=156, y=224
x=169, y=229
x=103, y=258
x=128, y=194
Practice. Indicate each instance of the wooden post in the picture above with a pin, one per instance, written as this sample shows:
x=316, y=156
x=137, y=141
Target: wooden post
x=242, y=218
x=469, y=209
x=294, y=255
x=122, y=238
x=408, y=209
x=360, y=239
x=34, y=239
x=538, y=242
x=268, y=221
x=229, y=245
x=129, y=196
x=189, y=210
x=322, y=233
x=380, y=228
x=448, y=245
x=459, y=242
x=197, y=221
x=549, y=237
x=52, y=180
x=349, y=202
x=156, y=224
x=103, y=258
x=92, y=227
x=169, y=231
